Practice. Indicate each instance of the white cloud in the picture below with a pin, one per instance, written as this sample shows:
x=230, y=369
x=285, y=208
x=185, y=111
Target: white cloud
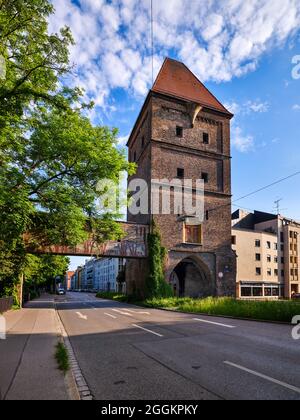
x=247, y=107
x=243, y=143
x=233, y=107
x=122, y=141
x=218, y=40
x=259, y=107
x=296, y=107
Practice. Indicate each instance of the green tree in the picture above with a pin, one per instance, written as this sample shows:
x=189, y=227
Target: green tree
x=51, y=155
x=41, y=271
x=35, y=60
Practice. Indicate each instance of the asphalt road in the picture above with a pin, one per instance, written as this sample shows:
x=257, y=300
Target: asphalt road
x=126, y=352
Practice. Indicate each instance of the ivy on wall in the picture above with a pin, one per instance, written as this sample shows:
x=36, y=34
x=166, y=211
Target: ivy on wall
x=156, y=285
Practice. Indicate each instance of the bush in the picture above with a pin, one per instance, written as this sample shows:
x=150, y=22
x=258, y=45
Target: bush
x=156, y=285
x=113, y=296
x=62, y=357
x=266, y=311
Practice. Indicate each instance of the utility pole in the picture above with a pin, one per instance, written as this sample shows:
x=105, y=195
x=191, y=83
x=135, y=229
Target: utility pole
x=277, y=205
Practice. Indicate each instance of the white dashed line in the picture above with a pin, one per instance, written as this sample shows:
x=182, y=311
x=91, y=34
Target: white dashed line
x=145, y=329
x=121, y=312
x=267, y=378
x=213, y=323
x=138, y=312
x=111, y=316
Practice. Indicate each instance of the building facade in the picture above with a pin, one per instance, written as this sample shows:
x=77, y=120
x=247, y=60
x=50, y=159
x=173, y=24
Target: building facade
x=68, y=279
x=77, y=279
x=267, y=248
x=98, y=274
x=183, y=132
x=106, y=273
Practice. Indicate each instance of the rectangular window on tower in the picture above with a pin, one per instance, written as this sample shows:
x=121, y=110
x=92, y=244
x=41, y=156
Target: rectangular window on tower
x=179, y=131
x=205, y=138
x=193, y=234
x=205, y=177
x=180, y=173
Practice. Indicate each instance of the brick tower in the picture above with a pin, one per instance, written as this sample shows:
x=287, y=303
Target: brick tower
x=183, y=131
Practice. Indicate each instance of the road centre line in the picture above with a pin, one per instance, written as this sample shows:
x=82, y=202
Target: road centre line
x=111, y=316
x=121, y=312
x=137, y=312
x=268, y=378
x=145, y=329
x=213, y=323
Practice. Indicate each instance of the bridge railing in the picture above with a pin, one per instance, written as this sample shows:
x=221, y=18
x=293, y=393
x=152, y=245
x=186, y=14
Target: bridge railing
x=6, y=304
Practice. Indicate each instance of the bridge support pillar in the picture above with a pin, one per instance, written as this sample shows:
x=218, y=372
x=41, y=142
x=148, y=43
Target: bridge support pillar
x=136, y=275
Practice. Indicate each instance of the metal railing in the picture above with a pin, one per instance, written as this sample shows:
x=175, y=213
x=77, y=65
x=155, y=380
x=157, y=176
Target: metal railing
x=6, y=304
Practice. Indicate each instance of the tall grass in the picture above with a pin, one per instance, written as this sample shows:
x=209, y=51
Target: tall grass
x=62, y=357
x=282, y=311
x=267, y=311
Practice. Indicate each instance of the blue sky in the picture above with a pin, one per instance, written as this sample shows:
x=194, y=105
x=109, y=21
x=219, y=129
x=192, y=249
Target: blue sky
x=242, y=51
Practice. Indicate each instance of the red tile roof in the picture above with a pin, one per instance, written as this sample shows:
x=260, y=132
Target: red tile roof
x=175, y=79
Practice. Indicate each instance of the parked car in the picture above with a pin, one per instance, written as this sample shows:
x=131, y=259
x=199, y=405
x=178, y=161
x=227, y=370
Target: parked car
x=61, y=292
x=296, y=296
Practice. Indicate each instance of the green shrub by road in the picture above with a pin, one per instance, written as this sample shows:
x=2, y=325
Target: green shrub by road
x=62, y=357
x=280, y=311
x=113, y=296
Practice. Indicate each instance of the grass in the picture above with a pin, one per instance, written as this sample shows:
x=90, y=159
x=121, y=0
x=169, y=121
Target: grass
x=114, y=296
x=62, y=357
x=279, y=311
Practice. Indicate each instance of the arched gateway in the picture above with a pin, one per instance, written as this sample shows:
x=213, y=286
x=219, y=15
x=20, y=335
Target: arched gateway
x=192, y=278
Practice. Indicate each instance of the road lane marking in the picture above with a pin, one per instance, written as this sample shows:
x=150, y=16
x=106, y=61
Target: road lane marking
x=137, y=312
x=121, y=312
x=145, y=329
x=268, y=378
x=82, y=316
x=112, y=316
x=214, y=323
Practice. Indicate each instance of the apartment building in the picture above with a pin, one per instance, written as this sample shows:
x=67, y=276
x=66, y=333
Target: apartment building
x=267, y=248
x=98, y=274
x=106, y=273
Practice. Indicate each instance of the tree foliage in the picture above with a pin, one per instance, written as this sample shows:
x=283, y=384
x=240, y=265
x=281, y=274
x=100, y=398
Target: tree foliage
x=51, y=155
x=41, y=271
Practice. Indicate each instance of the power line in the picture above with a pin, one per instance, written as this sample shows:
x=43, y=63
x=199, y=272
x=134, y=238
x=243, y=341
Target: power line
x=267, y=186
x=256, y=191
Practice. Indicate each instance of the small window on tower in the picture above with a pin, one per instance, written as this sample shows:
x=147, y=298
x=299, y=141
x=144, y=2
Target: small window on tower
x=193, y=234
x=143, y=141
x=205, y=177
x=205, y=138
x=180, y=173
x=179, y=131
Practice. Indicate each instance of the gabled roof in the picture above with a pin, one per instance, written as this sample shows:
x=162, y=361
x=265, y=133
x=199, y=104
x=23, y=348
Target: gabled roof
x=175, y=79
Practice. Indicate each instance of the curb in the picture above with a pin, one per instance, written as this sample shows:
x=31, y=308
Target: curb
x=78, y=381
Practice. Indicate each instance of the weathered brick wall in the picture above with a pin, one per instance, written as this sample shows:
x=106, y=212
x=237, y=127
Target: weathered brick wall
x=160, y=157
x=140, y=153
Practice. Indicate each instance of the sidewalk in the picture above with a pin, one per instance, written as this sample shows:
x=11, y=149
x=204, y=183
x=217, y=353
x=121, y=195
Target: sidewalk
x=28, y=369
